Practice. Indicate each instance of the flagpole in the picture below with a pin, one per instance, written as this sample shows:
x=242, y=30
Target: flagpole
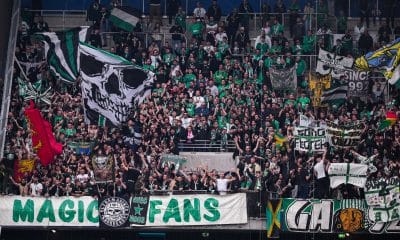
x=20, y=67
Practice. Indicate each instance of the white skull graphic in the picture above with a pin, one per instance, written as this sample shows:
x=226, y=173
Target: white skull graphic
x=113, y=89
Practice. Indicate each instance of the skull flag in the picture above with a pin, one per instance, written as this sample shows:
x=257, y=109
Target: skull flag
x=111, y=85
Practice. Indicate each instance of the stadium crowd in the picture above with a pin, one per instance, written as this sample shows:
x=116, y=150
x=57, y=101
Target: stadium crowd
x=213, y=87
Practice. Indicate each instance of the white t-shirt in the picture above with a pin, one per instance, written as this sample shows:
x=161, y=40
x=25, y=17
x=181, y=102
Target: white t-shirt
x=199, y=12
x=222, y=186
x=82, y=177
x=320, y=169
x=198, y=100
x=186, y=122
x=35, y=188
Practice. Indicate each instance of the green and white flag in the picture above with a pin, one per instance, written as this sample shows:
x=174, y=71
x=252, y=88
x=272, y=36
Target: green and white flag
x=61, y=50
x=335, y=96
x=125, y=17
x=347, y=173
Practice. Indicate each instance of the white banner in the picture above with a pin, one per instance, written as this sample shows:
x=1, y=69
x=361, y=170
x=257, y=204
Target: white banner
x=197, y=209
x=330, y=63
x=343, y=136
x=347, y=173
x=56, y=211
x=382, y=192
x=310, y=138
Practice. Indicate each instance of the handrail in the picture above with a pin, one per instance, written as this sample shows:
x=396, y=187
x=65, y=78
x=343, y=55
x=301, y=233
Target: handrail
x=8, y=74
x=146, y=34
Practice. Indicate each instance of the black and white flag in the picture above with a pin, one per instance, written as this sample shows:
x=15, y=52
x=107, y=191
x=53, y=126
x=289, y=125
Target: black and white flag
x=111, y=85
x=330, y=63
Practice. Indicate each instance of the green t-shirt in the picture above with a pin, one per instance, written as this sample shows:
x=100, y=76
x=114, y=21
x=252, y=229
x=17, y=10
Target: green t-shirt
x=190, y=109
x=277, y=29
x=263, y=47
x=303, y=101
x=196, y=29
x=188, y=78
x=219, y=76
x=180, y=21
x=168, y=58
x=301, y=67
x=308, y=43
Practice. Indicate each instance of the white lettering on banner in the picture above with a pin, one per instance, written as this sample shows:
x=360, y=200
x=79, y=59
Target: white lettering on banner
x=358, y=82
x=198, y=209
x=296, y=220
x=389, y=227
x=389, y=214
x=318, y=218
x=56, y=211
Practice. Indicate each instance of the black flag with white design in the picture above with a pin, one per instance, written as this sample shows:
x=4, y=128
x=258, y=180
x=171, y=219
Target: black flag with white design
x=111, y=85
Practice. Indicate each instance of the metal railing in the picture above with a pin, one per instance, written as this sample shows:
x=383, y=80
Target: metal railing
x=65, y=16
x=207, y=146
x=146, y=37
x=314, y=23
x=8, y=74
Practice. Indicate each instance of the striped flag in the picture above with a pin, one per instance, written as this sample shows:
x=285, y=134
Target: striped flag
x=335, y=96
x=125, y=17
x=61, y=50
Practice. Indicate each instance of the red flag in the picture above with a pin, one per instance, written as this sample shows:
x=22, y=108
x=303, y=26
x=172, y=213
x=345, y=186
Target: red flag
x=43, y=139
x=21, y=167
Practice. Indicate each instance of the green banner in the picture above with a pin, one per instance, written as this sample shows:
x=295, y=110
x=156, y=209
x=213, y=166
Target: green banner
x=324, y=216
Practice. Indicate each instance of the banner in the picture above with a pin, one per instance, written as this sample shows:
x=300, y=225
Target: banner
x=326, y=216
x=81, y=147
x=358, y=83
x=167, y=160
x=283, y=79
x=22, y=167
x=342, y=136
x=384, y=214
x=55, y=211
x=310, y=138
x=102, y=168
x=114, y=212
x=330, y=63
x=383, y=197
x=322, y=215
x=139, y=206
x=347, y=173
x=382, y=192
x=197, y=209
